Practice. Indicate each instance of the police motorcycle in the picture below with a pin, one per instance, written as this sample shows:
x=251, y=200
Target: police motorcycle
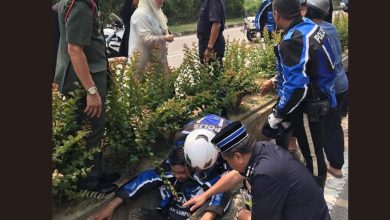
x=254, y=26
x=113, y=35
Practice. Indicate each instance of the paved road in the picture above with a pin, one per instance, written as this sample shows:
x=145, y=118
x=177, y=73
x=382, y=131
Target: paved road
x=175, y=49
x=336, y=190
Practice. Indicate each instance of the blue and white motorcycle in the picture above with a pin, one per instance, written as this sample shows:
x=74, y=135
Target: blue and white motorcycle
x=254, y=26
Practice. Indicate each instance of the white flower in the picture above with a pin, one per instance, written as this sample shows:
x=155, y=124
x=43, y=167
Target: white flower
x=119, y=66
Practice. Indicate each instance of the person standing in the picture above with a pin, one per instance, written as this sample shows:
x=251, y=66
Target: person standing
x=306, y=60
x=211, y=23
x=126, y=12
x=149, y=34
x=81, y=59
x=334, y=135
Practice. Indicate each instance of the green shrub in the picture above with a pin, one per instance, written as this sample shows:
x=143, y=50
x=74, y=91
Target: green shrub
x=341, y=23
x=69, y=151
x=251, y=6
x=143, y=115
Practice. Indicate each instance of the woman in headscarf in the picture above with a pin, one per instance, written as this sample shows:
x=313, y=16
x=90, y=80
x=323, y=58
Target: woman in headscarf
x=149, y=34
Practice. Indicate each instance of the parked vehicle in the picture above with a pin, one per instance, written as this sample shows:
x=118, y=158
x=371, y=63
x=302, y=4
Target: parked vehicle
x=254, y=26
x=113, y=35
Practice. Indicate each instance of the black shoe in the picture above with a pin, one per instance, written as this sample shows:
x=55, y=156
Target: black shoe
x=109, y=178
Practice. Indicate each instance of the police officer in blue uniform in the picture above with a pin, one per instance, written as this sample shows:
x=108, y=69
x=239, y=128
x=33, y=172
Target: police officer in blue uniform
x=281, y=187
x=305, y=83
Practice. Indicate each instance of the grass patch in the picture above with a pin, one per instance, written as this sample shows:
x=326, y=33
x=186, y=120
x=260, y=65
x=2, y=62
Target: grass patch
x=192, y=26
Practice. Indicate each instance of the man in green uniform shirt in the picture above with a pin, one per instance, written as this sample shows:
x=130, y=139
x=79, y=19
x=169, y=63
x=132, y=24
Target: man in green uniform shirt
x=81, y=58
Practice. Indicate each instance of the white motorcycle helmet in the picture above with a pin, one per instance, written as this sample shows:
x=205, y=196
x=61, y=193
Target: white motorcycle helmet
x=199, y=152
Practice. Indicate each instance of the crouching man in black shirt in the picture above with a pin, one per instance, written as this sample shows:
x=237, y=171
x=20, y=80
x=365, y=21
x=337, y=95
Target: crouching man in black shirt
x=281, y=187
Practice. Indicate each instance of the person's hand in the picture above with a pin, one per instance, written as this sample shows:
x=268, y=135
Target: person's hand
x=209, y=215
x=196, y=202
x=169, y=37
x=243, y=214
x=94, y=105
x=104, y=214
x=274, y=121
x=266, y=87
x=206, y=55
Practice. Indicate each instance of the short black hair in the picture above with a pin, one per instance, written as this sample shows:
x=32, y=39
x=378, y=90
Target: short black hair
x=288, y=9
x=314, y=13
x=176, y=157
x=244, y=147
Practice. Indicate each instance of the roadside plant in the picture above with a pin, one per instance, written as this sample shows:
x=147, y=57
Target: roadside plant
x=69, y=152
x=341, y=23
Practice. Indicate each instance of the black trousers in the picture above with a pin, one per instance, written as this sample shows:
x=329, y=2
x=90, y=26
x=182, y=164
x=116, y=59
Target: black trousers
x=311, y=142
x=219, y=47
x=334, y=135
x=94, y=137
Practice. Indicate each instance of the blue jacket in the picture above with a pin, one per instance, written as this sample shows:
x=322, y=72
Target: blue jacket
x=306, y=66
x=169, y=205
x=264, y=17
x=341, y=83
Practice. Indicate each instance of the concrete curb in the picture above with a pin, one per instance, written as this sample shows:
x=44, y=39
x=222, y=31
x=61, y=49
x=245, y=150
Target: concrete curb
x=184, y=33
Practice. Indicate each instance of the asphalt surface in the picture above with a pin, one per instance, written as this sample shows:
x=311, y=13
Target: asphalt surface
x=175, y=49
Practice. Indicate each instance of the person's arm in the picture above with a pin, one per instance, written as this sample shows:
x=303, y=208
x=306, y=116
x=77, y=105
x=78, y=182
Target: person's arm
x=216, y=17
x=144, y=31
x=144, y=182
x=80, y=65
x=107, y=211
x=213, y=37
x=244, y=214
x=209, y=215
x=295, y=57
x=78, y=29
x=228, y=181
x=268, y=85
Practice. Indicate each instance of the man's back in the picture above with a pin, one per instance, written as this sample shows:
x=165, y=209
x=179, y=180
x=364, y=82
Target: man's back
x=283, y=188
x=306, y=61
x=341, y=83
